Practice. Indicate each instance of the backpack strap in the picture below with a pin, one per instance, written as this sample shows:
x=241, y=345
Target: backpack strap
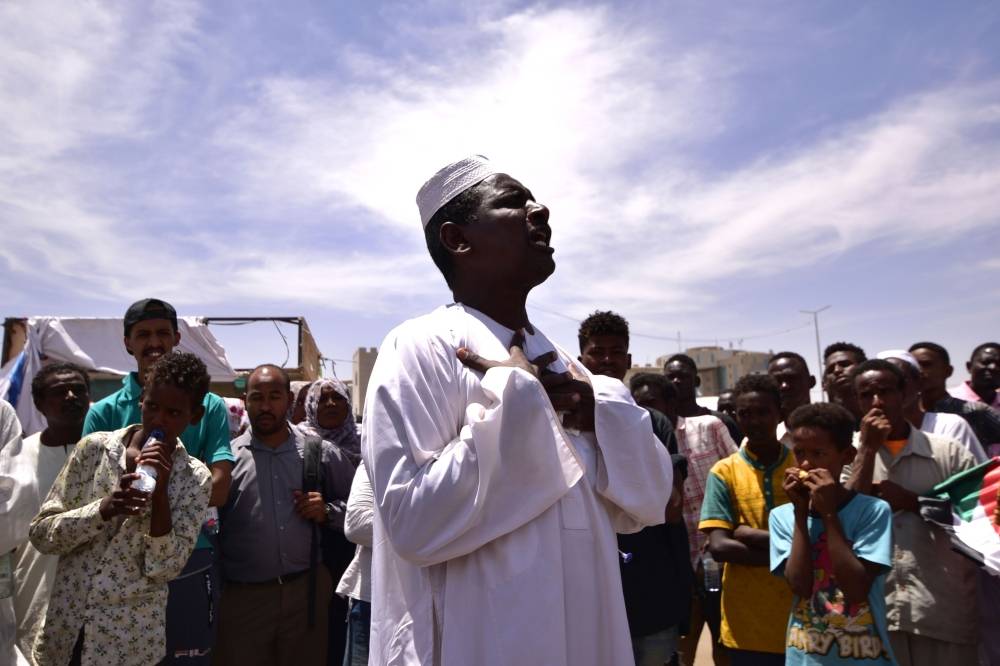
x=312, y=468
x=312, y=477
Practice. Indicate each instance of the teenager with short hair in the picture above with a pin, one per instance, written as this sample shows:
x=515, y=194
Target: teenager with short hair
x=838, y=361
x=118, y=546
x=833, y=546
x=703, y=441
x=682, y=371
x=741, y=492
x=935, y=369
x=656, y=578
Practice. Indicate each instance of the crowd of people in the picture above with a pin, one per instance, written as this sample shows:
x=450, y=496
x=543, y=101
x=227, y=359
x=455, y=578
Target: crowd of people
x=502, y=501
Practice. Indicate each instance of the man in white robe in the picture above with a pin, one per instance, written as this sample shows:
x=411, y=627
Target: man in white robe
x=13, y=522
x=499, y=482
x=61, y=392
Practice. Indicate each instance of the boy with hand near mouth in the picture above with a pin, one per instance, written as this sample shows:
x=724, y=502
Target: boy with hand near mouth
x=833, y=546
x=119, y=547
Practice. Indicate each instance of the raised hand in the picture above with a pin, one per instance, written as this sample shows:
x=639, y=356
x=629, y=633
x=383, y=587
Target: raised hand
x=796, y=490
x=535, y=367
x=823, y=491
x=159, y=456
x=875, y=429
x=570, y=395
x=310, y=505
x=126, y=501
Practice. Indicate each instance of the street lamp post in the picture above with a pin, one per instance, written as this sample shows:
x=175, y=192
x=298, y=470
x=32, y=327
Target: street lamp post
x=819, y=354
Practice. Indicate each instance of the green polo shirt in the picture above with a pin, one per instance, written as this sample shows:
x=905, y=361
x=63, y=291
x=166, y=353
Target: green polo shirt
x=208, y=441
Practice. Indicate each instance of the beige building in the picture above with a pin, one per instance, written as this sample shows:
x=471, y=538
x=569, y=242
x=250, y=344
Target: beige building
x=720, y=368
x=640, y=369
x=364, y=361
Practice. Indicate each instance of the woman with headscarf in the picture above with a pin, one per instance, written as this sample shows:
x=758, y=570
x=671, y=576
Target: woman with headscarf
x=330, y=416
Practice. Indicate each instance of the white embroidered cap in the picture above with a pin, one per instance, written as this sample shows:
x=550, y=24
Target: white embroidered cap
x=901, y=354
x=451, y=181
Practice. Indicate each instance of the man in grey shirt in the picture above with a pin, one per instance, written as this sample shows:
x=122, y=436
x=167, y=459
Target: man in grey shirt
x=266, y=535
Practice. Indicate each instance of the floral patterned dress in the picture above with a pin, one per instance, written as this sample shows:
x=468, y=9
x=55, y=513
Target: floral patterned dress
x=112, y=576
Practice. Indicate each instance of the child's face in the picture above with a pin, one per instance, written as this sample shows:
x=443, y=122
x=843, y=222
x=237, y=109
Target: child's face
x=168, y=408
x=814, y=448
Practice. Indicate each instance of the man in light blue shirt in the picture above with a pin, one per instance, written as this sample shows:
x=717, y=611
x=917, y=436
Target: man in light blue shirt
x=150, y=332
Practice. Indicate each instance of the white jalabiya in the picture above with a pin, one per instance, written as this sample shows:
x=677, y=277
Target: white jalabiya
x=15, y=476
x=34, y=573
x=954, y=426
x=494, y=536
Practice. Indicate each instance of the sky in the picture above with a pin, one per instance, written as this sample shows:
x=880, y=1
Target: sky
x=712, y=169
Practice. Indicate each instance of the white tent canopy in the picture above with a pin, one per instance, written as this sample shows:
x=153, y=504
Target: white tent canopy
x=96, y=344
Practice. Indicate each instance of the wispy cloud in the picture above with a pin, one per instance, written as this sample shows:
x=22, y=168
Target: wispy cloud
x=313, y=172
x=584, y=109
x=921, y=171
x=70, y=79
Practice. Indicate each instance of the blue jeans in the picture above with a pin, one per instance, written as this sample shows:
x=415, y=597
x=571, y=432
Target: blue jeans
x=359, y=620
x=655, y=649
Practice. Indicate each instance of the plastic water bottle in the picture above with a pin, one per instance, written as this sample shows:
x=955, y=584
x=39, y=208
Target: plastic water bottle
x=713, y=576
x=147, y=473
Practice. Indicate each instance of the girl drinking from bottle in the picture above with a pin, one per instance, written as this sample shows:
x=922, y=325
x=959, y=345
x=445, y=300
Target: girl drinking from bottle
x=119, y=546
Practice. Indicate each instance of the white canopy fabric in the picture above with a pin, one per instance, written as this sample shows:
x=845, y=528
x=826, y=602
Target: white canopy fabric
x=96, y=344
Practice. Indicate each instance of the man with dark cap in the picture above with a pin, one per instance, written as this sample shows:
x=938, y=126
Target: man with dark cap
x=150, y=332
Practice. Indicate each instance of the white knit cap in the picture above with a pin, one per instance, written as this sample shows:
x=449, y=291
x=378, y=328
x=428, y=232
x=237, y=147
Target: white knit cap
x=451, y=181
x=901, y=354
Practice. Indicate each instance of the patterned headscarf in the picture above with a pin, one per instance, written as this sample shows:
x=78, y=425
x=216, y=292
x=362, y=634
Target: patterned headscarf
x=345, y=437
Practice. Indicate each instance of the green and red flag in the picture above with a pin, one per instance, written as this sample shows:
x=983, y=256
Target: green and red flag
x=966, y=506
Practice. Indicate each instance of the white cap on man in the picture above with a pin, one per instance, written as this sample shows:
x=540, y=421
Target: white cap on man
x=901, y=354
x=451, y=181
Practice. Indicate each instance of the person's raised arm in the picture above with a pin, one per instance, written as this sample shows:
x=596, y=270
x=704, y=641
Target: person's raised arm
x=70, y=516
x=875, y=428
x=448, y=475
x=798, y=567
x=166, y=552
x=854, y=576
